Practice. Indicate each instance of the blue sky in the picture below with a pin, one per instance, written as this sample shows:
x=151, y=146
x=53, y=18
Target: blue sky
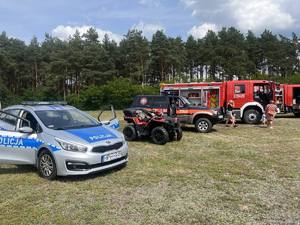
x=25, y=18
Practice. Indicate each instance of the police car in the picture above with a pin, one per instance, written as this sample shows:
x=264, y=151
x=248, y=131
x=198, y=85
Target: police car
x=59, y=139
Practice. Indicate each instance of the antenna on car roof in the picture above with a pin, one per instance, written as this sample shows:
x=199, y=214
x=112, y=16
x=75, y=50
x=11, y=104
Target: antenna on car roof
x=44, y=103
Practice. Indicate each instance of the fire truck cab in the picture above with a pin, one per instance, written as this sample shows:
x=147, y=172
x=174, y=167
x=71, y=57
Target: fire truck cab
x=250, y=98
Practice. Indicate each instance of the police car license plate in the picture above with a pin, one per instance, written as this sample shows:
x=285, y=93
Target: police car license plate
x=112, y=156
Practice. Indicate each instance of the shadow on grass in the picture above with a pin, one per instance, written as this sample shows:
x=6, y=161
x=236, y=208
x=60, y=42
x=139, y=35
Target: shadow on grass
x=76, y=178
x=18, y=169
x=286, y=116
x=192, y=129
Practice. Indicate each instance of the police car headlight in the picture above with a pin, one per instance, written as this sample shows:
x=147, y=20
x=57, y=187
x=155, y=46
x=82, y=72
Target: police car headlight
x=71, y=146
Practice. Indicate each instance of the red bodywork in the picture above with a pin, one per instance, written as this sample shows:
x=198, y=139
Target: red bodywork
x=289, y=98
x=244, y=93
x=240, y=91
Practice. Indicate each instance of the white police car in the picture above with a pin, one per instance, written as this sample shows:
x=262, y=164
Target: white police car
x=59, y=139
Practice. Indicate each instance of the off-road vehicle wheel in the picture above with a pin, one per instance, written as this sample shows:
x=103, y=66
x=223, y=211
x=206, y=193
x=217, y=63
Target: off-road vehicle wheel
x=252, y=116
x=203, y=125
x=46, y=165
x=130, y=133
x=160, y=135
x=179, y=134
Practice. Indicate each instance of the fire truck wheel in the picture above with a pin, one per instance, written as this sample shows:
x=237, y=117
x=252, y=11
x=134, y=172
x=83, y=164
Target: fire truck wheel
x=203, y=125
x=160, y=135
x=130, y=133
x=252, y=116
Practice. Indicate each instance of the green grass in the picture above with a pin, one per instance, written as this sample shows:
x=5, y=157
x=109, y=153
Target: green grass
x=244, y=175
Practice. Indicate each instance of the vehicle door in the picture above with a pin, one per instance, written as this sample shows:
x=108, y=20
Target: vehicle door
x=18, y=143
x=182, y=110
x=263, y=93
x=240, y=91
x=109, y=117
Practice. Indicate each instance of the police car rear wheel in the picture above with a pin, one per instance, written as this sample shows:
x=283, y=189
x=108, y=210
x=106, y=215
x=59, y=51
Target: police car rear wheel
x=47, y=166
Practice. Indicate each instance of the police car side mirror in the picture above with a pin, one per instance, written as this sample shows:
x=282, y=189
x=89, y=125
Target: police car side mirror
x=26, y=130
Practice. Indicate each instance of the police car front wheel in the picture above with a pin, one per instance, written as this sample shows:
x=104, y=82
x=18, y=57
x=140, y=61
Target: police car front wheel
x=46, y=165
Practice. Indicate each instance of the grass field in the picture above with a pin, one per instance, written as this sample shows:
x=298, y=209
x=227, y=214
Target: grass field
x=244, y=175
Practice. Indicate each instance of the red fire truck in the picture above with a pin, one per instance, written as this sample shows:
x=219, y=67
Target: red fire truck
x=288, y=98
x=250, y=96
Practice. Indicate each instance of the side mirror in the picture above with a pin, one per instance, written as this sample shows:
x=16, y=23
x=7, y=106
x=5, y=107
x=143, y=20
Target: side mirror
x=26, y=130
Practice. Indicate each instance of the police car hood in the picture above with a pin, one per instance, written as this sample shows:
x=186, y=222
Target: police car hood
x=90, y=135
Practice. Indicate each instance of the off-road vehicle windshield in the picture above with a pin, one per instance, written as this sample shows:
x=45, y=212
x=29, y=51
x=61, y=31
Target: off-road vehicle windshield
x=185, y=101
x=65, y=119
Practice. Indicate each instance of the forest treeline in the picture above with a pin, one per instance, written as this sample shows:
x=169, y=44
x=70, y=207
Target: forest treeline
x=89, y=72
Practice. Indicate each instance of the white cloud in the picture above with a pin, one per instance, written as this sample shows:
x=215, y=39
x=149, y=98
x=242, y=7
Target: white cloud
x=260, y=14
x=256, y=15
x=201, y=31
x=155, y=3
x=64, y=32
x=148, y=29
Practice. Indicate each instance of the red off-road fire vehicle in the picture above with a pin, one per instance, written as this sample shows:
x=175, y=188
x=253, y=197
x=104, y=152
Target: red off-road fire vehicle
x=250, y=96
x=201, y=117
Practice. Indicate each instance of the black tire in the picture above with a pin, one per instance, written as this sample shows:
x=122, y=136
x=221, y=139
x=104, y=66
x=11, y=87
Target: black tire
x=297, y=115
x=159, y=135
x=46, y=165
x=179, y=134
x=130, y=133
x=252, y=116
x=203, y=125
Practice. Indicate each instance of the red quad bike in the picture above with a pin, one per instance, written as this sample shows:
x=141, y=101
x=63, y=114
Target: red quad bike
x=143, y=123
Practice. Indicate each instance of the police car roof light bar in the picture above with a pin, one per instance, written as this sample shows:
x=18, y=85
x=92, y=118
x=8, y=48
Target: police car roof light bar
x=44, y=103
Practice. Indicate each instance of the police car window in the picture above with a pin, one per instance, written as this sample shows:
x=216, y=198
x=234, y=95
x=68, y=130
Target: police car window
x=33, y=122
x=11, y=120
x=65, y=119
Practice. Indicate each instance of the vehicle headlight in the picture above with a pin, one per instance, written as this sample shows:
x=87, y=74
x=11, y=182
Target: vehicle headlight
x=71, y=146
x=215, y=112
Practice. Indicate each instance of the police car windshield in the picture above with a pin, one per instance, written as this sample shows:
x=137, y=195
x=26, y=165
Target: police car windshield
x=65, y=119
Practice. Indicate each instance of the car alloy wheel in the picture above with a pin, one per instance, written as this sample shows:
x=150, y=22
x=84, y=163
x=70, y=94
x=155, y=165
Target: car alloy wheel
x=46, y=165
x=203, y=125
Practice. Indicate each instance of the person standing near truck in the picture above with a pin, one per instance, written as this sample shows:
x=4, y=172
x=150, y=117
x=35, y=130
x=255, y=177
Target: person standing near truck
x=271, y=111
x=229, y=113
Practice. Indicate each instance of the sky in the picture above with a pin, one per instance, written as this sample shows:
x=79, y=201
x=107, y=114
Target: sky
x=24, y=19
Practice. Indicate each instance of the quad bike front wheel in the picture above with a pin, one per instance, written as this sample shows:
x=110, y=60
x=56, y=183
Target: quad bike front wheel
x=129, y=133
x=160, y=135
